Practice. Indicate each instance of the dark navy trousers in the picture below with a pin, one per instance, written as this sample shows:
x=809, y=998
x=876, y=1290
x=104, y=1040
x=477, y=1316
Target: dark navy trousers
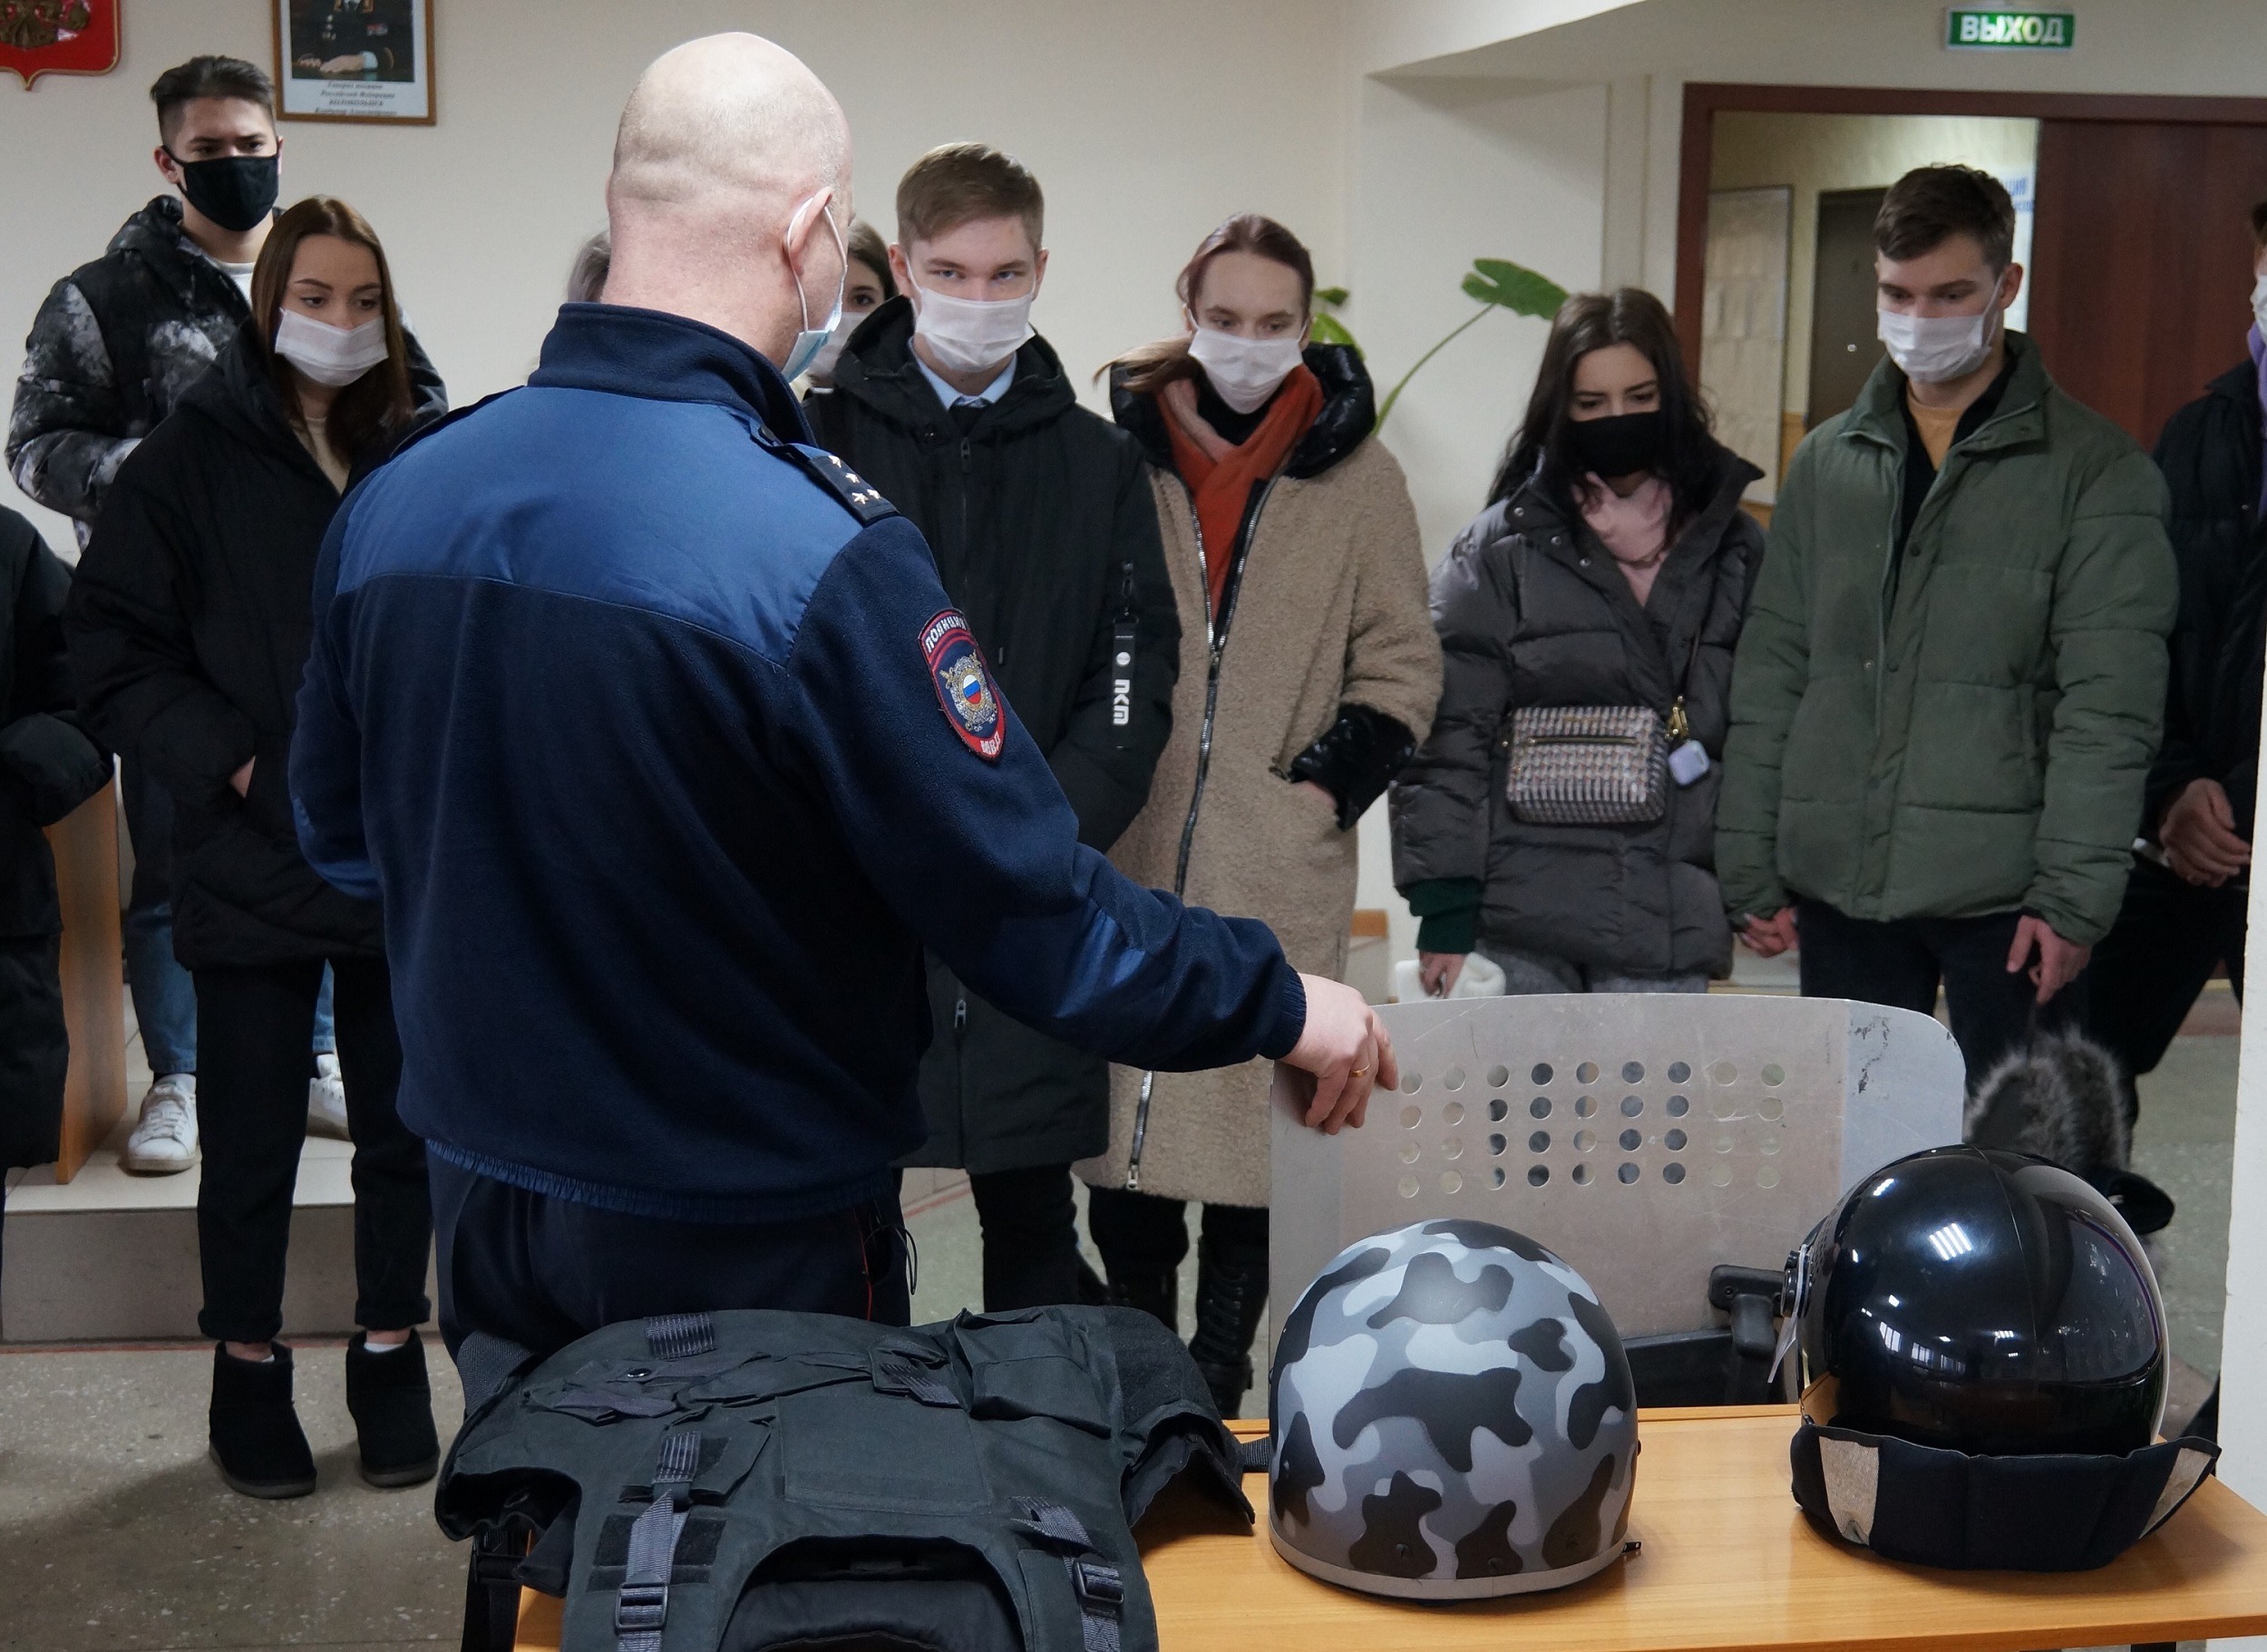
x=541, y=1271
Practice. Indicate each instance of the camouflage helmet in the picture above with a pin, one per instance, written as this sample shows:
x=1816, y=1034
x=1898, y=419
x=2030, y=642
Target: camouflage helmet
x=1452, y=1418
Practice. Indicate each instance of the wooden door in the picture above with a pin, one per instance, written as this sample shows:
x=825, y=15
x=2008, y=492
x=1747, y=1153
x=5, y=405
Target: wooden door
x=1846, y=339
x=2141, y=260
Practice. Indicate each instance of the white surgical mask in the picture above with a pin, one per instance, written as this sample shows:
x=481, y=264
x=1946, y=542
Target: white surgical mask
x=1930, y=349
x=1245, y=370
x=969, y=335
x=821, y=367
x=811, y=340
x=2259, y=304
x=328, y=354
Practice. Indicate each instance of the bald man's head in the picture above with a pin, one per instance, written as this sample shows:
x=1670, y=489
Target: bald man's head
x=725, y=146
x=726, y=115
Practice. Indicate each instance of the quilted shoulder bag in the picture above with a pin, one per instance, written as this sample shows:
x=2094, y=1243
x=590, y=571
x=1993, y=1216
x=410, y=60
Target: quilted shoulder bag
x=1595, y=765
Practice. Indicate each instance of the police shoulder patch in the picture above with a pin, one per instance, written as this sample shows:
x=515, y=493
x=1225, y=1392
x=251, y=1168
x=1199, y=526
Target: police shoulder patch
x=964, y=684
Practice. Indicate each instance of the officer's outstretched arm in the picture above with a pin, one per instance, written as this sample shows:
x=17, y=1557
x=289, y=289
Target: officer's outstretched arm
x=951, y=811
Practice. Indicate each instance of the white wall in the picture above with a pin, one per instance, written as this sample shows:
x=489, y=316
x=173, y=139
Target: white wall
x=1146, y=125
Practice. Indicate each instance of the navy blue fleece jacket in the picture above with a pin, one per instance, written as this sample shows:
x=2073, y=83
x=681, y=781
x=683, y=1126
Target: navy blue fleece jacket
x=655, y=735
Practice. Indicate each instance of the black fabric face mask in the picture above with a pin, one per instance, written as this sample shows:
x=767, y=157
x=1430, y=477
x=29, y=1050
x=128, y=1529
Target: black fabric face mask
x=1622, y=445
x=234, y=192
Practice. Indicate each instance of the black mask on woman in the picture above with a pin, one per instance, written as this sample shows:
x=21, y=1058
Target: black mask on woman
x=234, y=192
x=1622, y=445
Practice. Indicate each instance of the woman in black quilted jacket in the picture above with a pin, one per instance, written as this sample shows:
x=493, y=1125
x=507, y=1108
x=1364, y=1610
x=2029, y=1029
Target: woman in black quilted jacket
x=1611, y=570
x=189, y=631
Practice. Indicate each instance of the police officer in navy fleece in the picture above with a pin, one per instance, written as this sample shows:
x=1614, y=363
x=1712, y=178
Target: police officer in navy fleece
x=664, y=748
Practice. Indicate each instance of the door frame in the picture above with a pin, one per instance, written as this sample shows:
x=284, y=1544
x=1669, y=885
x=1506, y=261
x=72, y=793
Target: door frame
x=1703, y=99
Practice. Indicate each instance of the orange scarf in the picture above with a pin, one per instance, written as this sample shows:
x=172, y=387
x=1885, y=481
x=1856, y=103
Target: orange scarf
x=1221, y=476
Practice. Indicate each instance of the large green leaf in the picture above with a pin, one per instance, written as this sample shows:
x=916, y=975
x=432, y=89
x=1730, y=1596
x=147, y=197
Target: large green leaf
x=1332, y=296
x=1515, y=287
x=1330, y=330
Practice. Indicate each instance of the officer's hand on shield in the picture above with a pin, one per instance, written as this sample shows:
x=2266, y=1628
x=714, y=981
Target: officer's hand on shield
x=1345, y=1048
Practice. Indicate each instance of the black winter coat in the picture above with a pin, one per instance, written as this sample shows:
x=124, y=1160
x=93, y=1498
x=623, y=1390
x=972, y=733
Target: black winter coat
x=1045, y=533
x=191, y=621
x=48, y=767
x=116, y=345
x=2210, y=454
x=1532, y=611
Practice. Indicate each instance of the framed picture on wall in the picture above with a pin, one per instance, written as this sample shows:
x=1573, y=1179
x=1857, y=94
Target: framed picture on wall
x=355, y=60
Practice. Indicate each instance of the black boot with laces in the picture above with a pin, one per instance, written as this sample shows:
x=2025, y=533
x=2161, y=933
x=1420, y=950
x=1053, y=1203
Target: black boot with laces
x=1231, y=1293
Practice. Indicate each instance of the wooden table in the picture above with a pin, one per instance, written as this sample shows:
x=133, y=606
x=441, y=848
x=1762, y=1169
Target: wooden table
x=1727, y=1561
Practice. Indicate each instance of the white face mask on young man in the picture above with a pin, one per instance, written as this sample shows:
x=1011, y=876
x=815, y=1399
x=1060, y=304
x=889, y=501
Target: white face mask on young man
x=326, y=354
x=971, y=335
x=1245, y=370
x=2258, y=303
x=1931, y=349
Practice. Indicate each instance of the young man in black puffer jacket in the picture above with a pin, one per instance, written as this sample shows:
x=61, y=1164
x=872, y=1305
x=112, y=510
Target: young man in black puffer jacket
x=2185, y=907
x=1045, y=534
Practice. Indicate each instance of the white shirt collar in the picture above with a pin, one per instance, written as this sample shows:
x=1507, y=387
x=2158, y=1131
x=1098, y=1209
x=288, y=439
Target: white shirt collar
x=949, y=398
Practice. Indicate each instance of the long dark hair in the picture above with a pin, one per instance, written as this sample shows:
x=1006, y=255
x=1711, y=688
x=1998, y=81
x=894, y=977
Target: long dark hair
x=1150, y=368
x=1592, y=321
x=369, y=413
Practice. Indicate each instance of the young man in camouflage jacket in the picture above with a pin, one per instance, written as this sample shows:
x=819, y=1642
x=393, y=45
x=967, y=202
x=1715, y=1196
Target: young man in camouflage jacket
x=115, y=346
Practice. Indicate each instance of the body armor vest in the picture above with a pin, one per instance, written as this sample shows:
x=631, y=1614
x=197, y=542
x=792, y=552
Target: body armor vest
x=743, y=1481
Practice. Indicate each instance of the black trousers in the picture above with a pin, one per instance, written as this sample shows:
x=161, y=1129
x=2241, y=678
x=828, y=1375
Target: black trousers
x=1901, y=964
x=541, y=1271
x=2168, y=939
x=34, y=1049
x=253, y=1027
x=1143, y=1235
x=1030, y=1228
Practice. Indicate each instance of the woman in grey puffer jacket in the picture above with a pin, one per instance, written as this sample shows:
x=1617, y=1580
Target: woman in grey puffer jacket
x=1611, y=568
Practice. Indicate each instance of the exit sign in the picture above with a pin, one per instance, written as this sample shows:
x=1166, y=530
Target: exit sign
x=1972, y=30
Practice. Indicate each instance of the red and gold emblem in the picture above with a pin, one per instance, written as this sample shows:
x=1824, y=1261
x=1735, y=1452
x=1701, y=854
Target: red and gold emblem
x=58, y=37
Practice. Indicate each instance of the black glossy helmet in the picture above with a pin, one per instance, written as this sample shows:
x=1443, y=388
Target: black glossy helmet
x=1983, y=1302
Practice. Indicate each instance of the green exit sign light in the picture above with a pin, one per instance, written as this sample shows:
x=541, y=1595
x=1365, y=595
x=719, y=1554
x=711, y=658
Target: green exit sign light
x=1972, y=30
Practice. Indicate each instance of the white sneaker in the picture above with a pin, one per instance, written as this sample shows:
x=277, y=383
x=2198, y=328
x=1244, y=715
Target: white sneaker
x=326, y=1099
x=164, y=1142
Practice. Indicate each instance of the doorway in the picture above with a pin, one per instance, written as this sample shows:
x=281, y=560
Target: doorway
x=1844, y=345
x=2132, y=223
x=1831, y=170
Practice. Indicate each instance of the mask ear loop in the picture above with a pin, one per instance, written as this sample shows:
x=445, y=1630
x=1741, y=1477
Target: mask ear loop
x=795, y=221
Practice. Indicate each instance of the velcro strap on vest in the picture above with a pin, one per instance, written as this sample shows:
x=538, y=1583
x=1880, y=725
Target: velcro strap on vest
x=642, y=1608
x=2060, y=1512
x=1099, y=1586
x=680, y=1336
x=894, y=1371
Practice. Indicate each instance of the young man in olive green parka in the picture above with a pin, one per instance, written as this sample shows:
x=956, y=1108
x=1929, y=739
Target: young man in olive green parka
x=1952, y=679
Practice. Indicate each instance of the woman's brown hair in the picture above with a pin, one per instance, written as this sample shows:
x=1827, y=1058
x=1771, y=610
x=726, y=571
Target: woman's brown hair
x=369, y=413
x=1593, y=321
x=1151, y=367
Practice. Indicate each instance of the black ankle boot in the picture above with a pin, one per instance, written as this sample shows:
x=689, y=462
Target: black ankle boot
x=392, y=1404
x=256, y=1443
x=1231, y=1293
x=1156, y=1293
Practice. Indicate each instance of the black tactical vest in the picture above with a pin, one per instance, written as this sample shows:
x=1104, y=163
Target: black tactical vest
x=743, y=1481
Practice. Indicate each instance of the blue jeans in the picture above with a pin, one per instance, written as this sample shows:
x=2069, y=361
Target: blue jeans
x=165, y=998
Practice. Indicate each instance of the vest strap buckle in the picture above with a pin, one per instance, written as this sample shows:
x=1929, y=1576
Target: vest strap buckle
x=1101, y=1587
x=641, y=1608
